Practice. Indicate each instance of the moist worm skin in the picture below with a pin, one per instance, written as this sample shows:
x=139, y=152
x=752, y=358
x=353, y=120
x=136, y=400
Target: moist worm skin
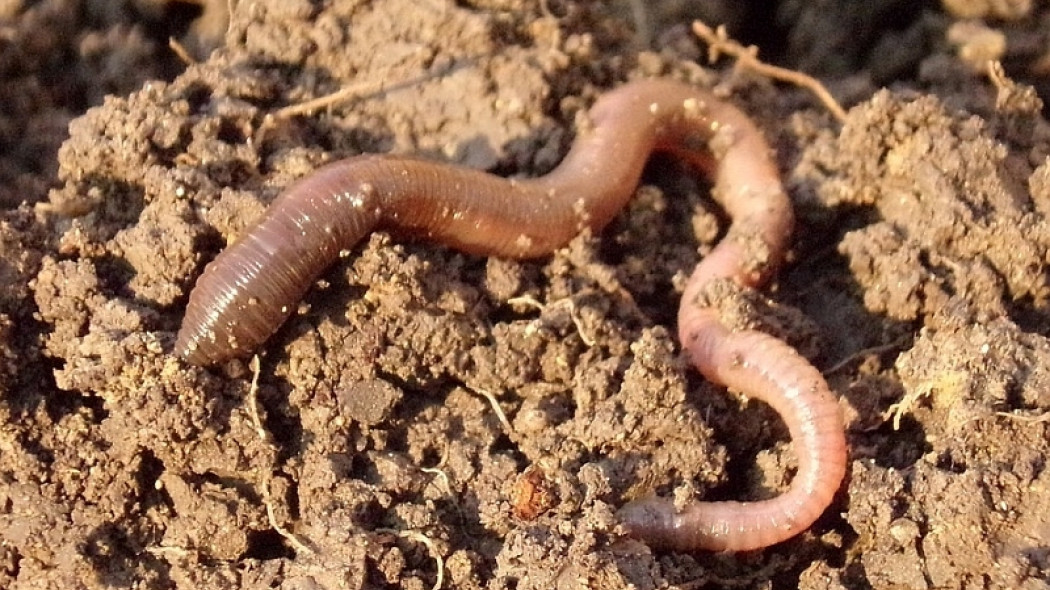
x=251, y=288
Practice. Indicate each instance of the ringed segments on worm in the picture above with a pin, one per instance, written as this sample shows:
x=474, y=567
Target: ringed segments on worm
x=251, y=288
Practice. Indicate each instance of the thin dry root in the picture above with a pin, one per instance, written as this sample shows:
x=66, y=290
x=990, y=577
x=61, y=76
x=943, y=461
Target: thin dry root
x=180, y=51
x=429, y=543
x=718, y=42
x=947, y=383
x=440, y=474
x=1030, y=418
x=574, y=313
x=253, y=401
x=871, y=350
x=500, y=414
x=360, y=90
x=344, y=94
x=271, y=514
x=351, y=92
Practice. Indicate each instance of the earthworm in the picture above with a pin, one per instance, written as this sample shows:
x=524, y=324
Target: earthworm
x=250, y=288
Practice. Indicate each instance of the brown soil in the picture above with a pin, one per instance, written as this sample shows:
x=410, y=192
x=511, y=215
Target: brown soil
x=372, y=447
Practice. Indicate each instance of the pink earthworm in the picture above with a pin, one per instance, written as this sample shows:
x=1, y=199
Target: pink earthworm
x=249, y=290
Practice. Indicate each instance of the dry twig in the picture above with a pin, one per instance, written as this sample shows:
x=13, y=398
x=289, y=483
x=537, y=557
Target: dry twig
x=718, y=42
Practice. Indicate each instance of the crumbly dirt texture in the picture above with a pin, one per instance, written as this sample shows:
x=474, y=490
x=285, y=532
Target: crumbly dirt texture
x=431, y=416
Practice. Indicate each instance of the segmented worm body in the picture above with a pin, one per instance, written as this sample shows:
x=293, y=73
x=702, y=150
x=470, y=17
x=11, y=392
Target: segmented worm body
x=248, y=291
